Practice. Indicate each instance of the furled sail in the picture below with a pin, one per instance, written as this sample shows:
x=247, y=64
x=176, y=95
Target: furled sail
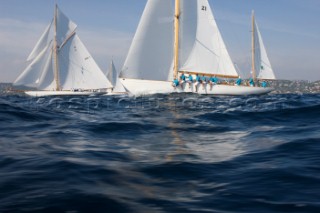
x=262, y=62
x=77, y=69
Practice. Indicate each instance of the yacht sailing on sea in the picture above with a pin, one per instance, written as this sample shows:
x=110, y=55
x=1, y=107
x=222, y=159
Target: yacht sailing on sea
x=60, y=64
x=172, y=40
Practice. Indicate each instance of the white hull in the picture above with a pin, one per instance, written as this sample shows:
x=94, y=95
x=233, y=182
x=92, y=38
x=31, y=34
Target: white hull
x=116, y=94
x=146, y=87
x=60, y=93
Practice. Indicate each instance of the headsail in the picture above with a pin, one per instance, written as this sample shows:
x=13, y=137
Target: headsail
x=41, y=44
x=262, y=62
x=209, y=54
x=77, y=69
x=113, y=77
x=201, y=47
x=31, y=75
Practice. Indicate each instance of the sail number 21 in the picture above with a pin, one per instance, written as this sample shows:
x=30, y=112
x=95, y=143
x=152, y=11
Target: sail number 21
x=204, y=8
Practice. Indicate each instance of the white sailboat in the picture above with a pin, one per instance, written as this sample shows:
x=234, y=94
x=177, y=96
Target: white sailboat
x=60, y=64
x=113, y=77
x=260, y=60
x=175, y=39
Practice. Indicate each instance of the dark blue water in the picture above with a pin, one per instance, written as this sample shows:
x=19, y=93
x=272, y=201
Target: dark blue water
x=176, y=153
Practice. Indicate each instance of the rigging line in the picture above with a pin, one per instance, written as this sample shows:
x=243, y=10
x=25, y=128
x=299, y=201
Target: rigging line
x=211, y=51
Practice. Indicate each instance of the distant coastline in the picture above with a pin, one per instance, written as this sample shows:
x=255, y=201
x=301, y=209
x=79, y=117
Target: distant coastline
x=281, y=87
x=298, y=86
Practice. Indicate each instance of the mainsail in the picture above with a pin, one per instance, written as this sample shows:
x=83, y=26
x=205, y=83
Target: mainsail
x=261, y=61
x=77, y=69
x=201, y=47
x=151, y=53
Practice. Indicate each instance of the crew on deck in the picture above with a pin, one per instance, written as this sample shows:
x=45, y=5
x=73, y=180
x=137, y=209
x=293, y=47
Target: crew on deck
x=264, y=84
x=198, y=81
x=251, y=82
x=182, y=78
x=175, y=83
x=238, y=82
x=190, y=80
x=204, y=81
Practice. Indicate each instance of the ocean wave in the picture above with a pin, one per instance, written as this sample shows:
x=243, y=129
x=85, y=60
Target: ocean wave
x=160, y=153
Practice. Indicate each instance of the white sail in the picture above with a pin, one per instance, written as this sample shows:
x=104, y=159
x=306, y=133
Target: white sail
x=65, y=27
x=76, y=67
x=31, y=75
x=185, y=39
x=151, y=53
x=187, y=29
x=41, y=44
x=262, y=62
x=209, y=54
x=113, y=77
x=47, y=81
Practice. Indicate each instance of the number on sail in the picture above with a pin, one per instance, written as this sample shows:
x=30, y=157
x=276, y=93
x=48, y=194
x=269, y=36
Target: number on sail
x=204, y=8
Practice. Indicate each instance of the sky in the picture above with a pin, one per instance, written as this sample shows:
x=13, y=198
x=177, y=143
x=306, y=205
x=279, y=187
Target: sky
x=290, y=29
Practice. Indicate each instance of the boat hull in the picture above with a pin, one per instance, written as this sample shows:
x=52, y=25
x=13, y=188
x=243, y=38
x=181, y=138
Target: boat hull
x=116, y=94
x=146, y=87
x=60, y=93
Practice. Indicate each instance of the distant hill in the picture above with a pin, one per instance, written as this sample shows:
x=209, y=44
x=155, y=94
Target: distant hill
x=286, y=86
x=4, y=87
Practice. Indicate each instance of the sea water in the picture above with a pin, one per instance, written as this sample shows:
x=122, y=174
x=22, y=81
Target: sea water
x=161, y=153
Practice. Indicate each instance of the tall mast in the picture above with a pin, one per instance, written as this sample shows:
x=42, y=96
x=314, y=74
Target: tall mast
x=176, y=38
x=254, y=76
x=55, y=51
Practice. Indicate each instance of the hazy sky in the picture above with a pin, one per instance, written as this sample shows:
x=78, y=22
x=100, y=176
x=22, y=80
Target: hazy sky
x=290, y=29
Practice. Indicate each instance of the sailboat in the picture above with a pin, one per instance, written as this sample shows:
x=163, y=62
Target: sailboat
x=60, y=64
x=260, y=59
x=113, y=77
x=172, y=39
